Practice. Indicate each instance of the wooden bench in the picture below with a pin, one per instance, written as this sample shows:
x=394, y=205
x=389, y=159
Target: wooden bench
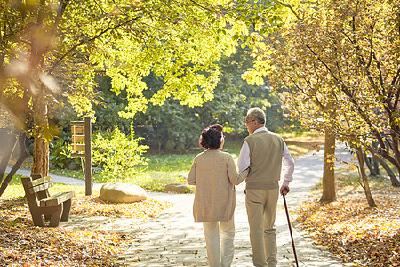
x=44, y=207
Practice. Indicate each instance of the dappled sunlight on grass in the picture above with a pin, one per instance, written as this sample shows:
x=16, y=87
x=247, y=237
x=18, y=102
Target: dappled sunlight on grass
x=15, y=189
x=156, y=180
x=170, y=162
x=303, y=143
x=94, y=206
x=165, y=169
x=302, y=136
x=297, y=151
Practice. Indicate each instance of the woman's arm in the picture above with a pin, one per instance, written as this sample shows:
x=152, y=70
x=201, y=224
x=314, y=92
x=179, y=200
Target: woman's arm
x=192, y=174
x=232, y=172
x=243, y=175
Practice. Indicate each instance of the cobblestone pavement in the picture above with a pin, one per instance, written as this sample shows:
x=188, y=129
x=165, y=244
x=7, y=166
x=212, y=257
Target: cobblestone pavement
x=174, y=239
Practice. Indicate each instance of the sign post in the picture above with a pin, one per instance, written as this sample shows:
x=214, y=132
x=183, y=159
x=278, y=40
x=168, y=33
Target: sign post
x=82, y=148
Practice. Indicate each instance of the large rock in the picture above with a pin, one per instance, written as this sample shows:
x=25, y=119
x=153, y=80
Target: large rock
x=177, y=188
x=122, y=193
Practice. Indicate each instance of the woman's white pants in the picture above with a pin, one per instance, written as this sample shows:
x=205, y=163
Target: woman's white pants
x=219, y=238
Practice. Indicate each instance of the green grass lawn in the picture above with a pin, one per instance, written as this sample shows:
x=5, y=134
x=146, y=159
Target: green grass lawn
x=164, y=169
x=15, y=189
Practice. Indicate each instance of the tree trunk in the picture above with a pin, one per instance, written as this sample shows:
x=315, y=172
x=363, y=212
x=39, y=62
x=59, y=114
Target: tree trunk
x=395, y=181
x=372, y=164
x=375, y=166
x=368, y=162
x=392, y=176
x=383, y=159
x=364, y=178
x=373, y=161
x=328, y=180
x=41, y=134
x=7, y=142
x=22, y=156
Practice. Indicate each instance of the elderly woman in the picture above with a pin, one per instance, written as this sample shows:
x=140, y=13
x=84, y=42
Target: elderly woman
x=214, y=174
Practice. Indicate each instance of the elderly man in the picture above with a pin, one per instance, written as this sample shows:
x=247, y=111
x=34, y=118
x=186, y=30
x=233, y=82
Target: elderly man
x=264, y=152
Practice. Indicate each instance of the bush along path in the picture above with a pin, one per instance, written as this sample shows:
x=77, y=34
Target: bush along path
x=173, y=239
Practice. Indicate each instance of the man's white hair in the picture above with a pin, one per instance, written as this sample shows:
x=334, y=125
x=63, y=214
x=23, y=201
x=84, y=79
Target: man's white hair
x=256, y=114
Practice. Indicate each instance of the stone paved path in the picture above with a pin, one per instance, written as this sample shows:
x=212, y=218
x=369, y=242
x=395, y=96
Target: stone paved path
x=174, y=239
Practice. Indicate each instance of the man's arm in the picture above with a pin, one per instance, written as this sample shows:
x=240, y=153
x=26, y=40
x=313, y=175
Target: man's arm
x=288, y=166
x=243, y=162
x=244, y=157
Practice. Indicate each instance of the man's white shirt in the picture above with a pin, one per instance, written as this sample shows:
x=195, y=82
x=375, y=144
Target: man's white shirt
x=287, y=160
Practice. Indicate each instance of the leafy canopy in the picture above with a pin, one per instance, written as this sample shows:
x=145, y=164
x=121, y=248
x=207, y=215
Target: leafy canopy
x=72, y=41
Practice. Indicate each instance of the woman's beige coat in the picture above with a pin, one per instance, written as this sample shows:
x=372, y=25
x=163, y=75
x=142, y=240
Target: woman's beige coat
x=214, y=174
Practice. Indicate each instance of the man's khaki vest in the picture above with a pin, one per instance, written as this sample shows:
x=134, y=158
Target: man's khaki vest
x=266, y=150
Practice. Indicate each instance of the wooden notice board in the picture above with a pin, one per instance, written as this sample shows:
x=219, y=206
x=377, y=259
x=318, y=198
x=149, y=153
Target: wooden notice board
x=78, y=139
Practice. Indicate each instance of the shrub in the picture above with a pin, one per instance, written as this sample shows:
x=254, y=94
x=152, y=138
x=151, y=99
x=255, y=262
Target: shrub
x=118, y=155
x=60, y=156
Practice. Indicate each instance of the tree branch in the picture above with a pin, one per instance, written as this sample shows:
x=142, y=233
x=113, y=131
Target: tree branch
x=395, y=86
x=347, y=92
x=378, y=65
x=291, y=9
x=202, y=6
x=360, y=58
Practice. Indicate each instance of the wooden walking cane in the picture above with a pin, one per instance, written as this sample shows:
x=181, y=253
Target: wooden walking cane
x=290, y=230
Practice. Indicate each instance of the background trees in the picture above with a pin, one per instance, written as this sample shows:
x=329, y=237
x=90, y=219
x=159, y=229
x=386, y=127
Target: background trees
x=173, y=127
x=337, y=64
